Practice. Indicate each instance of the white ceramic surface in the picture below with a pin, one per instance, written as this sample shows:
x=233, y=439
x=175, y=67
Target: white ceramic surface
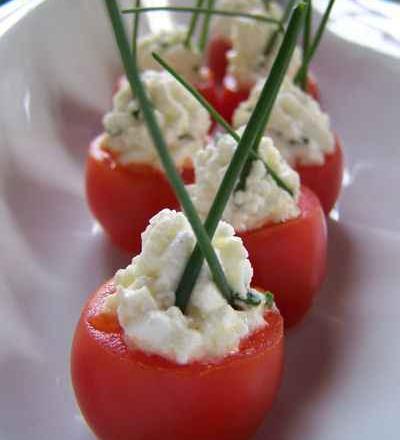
x=342, y=377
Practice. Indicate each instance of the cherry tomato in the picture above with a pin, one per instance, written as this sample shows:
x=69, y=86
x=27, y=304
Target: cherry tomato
x=127, y=394
x=289, y=258
x=216, y=56
x=325, y=180
x=234, y=93
x=124, y=198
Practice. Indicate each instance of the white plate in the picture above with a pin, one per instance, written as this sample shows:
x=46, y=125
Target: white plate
x=342, y=373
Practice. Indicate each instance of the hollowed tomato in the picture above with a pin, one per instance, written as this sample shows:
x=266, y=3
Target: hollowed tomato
x=124, y=198
x=128, y=394
x=289, y=258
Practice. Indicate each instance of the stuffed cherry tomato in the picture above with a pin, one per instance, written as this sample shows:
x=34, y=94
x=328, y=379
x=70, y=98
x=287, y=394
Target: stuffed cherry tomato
x=301, y=131
x=142, y=369
x=124, y=181
x=290, y=257
x=124, y=198
x=281, y=223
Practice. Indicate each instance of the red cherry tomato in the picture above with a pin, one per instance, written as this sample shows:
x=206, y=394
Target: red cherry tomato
x=124, y=198
x=216, y=56
x=127, y=394
x=234, y=93
x=289, y=259
x=325, y=180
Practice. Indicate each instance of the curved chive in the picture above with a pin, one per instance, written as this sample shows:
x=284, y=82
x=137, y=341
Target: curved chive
x=193, y=23
x=220, y=119
x=285, y=17
x=303, y=70
x=132, y=73
x=277, y=73
x=255, y=126
x=206, y=26
x=256, y=17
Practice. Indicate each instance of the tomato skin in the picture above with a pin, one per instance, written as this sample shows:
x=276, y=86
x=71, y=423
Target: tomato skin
x=126, y=394
x=217, y=61
x=325, y=180
x=124, y=198
x=289, y=259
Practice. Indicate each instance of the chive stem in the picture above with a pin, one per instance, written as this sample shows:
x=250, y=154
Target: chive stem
x=256, y=124
x=306, y=43
x=219, y=119
x=274, y=37
x=193, y=24
x=276, y=75
x=206, y=26
x=132, y=73
x=303, y=70
x=135, y=29
x=257, y=17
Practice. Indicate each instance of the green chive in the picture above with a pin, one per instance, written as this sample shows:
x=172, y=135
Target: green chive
x=206, y=26
x=255, y=126
x=277, y=74
x=132, y=73
x=135, y=30
x=301, y=75
x=219, y=119
x=274, y=37
x=257, y=17
x=193, y=23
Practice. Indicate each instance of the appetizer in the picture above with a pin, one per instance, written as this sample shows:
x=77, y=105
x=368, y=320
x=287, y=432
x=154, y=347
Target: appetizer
x=281, y=223
x=143, y=369
x=180, y=344
x=125, y=183
x=301, y=132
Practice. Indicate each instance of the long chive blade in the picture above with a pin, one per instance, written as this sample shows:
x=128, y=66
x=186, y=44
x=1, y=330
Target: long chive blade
x=274, y=37
x=135, y=29
x=256, y=124
x=218, y=118
x=307, y=29
x=257, y=17
x=206, y=26
x=320, y=30
x=193, y=23
x=276, y=76
x=132, y=73
x=301, y=75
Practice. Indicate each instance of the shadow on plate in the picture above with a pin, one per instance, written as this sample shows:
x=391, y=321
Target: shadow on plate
x=312, y=348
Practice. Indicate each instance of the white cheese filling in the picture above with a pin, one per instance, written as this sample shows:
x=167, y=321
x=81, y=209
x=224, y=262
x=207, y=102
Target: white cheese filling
x=145, y=295
x=170, y=46
x=299, y=128
x=183, y=121
x=261, y=201
x=247, y=60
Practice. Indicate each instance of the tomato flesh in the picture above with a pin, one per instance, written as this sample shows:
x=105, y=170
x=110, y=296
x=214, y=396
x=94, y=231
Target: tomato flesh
x=127, y=394
x=325, y=180
x=289, y=258
x=124, y=198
